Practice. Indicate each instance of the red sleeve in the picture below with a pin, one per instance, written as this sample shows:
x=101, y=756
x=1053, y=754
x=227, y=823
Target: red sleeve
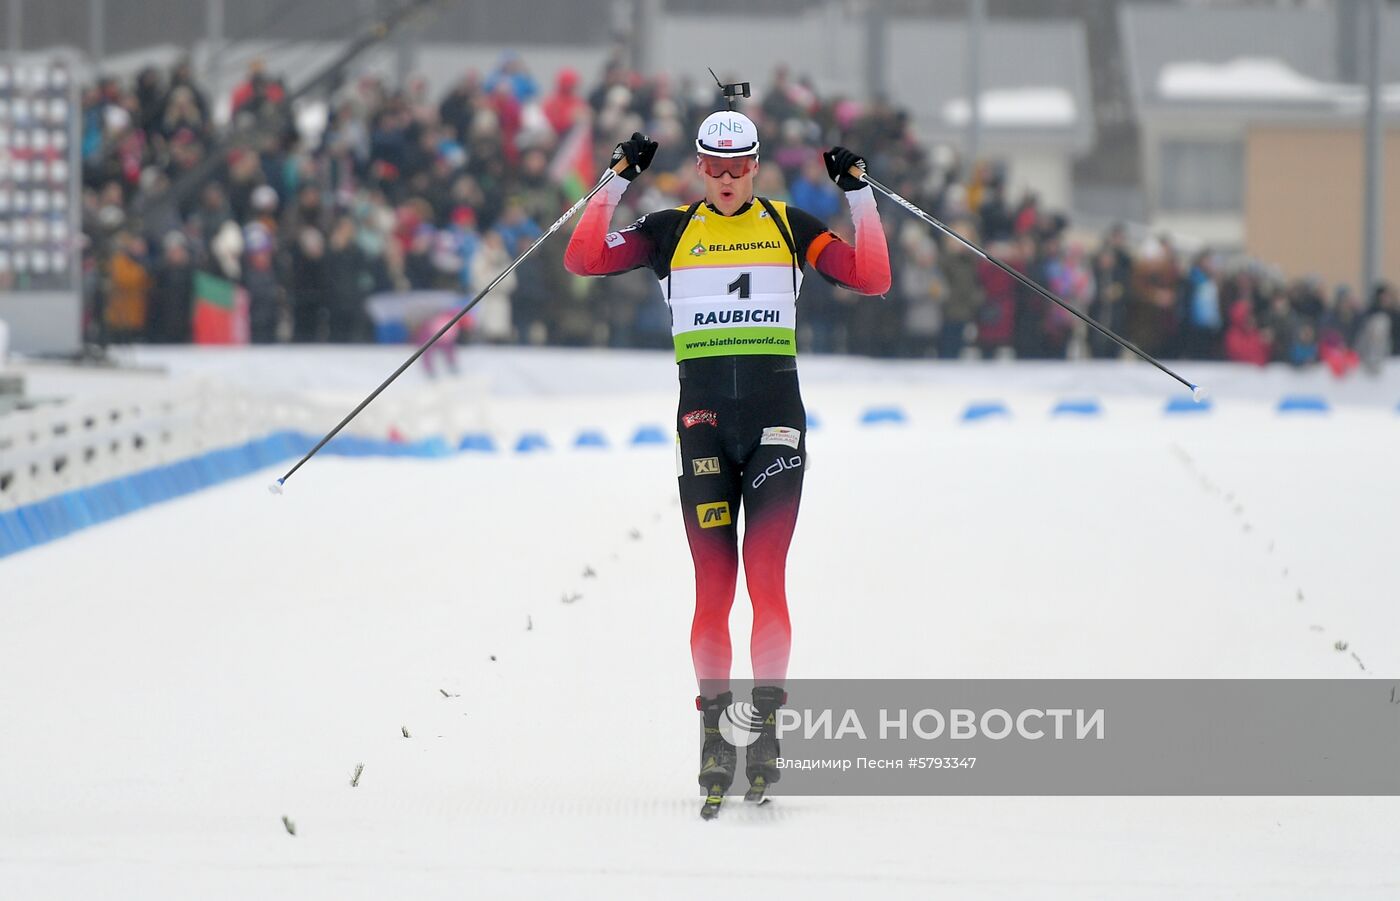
x=593, y=250
x=864, y=268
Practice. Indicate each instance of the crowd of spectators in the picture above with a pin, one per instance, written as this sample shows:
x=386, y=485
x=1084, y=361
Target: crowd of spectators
x=395, y=191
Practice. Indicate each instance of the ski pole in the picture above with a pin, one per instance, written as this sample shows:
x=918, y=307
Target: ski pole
x=1197, y=392
x=609, y=175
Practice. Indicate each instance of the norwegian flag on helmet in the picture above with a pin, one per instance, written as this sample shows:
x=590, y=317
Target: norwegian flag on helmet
x=727, y=133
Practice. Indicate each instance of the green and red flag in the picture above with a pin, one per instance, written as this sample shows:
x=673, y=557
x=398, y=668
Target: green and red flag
x=573, y=168
x=220, y=311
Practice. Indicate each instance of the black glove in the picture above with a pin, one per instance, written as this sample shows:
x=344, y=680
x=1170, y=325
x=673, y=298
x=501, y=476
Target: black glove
x=839, y=160
x=638, y=151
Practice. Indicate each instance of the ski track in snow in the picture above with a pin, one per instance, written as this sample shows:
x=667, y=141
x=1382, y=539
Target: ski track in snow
x=178, y=681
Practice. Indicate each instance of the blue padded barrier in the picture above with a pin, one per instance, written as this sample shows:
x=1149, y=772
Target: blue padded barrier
x=1186, y=405
x=591, y=439
x=985, y=410
x=877, y=415
x=1303, y=403
x=1087, y=406
x=477, y=441
x=650, y=434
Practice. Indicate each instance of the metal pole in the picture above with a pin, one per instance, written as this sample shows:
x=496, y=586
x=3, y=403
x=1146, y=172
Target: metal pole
x=214, y=38
x=405, y=54
x=1347, y=21
x=646, y=36
x=97, y=20
x=15, y=26
x=1371, y=226
x=976, y=18
x=876, y=36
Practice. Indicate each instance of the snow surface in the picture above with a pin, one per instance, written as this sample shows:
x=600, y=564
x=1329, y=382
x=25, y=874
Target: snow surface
x=1257, y=78
x=1015, y=107
x=176, y=682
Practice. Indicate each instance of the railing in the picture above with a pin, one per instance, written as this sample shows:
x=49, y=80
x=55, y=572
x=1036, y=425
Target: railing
x=64, y=466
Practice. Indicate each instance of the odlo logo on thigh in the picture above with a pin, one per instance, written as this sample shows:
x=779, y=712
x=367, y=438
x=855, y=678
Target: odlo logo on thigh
x=777, y=466
x=713, y=515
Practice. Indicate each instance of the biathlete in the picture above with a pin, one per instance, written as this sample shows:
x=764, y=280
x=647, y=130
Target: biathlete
x=731, y=269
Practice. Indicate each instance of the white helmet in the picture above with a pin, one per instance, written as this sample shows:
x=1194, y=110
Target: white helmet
x=727, y=133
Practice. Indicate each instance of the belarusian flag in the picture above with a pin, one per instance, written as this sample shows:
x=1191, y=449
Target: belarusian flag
x=573, y=167
x=220, y=311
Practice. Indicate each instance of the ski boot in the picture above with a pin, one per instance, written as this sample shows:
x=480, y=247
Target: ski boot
x=761, y=759
x=718, y=758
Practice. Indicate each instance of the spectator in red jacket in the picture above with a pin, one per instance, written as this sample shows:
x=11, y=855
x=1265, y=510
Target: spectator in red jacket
x=1244, y=342
x=509, y=114
x=997, y=318
x=256, y=88
x=563, y=106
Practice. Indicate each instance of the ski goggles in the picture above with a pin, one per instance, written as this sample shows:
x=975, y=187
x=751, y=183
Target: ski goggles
x=733, y=166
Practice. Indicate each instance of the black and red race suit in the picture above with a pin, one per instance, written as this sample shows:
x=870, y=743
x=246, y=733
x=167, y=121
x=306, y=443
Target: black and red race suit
x=732, y=283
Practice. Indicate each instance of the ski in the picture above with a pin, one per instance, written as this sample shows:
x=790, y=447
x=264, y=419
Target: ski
x=712, y=802
x=757, y=789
